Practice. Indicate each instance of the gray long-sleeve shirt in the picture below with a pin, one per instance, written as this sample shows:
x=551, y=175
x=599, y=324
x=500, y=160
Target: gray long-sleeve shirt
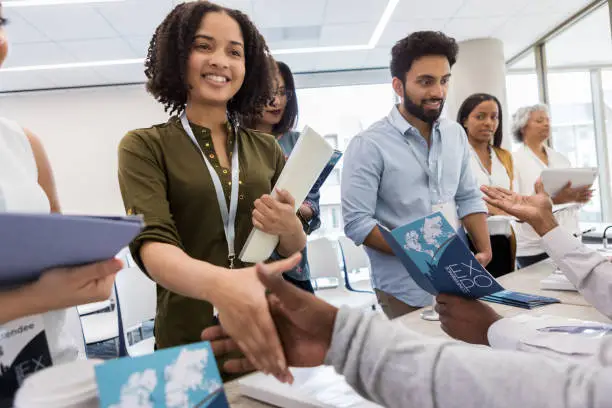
x=393, y=366
x=586, y=268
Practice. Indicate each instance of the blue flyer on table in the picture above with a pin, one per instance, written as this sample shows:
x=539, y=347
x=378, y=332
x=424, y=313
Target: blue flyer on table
x=518, y=299
x=177, y=377
x=438, y=259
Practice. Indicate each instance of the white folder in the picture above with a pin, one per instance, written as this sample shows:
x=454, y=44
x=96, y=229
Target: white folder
x=309, y=157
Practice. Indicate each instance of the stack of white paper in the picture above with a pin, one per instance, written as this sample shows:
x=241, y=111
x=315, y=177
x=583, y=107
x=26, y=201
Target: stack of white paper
x=318, y=387
x=557, y=281
x=308, y=159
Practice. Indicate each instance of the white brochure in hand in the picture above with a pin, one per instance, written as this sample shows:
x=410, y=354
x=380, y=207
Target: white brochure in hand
x=307, y=160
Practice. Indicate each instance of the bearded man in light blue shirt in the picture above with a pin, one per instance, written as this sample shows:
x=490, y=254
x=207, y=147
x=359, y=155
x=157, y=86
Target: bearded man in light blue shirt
x=408, y=165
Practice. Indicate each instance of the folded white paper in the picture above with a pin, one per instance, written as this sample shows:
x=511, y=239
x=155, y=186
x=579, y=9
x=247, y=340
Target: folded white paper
x=306, y=162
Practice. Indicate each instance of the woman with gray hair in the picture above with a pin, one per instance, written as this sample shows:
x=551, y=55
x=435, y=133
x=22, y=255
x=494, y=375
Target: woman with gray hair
x=531, y=127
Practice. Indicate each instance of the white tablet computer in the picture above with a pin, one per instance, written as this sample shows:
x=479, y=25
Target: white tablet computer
x=555, y=179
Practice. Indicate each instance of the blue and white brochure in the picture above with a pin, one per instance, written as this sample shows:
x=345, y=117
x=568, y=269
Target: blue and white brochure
x=438, y=259
x=172, y=378
x=336, y=156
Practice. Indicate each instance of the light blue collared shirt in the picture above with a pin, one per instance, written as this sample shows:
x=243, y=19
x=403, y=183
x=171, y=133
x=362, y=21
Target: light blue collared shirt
x=384, y=183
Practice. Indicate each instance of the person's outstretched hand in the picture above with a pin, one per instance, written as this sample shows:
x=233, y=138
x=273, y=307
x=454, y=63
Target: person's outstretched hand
x=536, y=210
x=305, y=324
x=244, y=314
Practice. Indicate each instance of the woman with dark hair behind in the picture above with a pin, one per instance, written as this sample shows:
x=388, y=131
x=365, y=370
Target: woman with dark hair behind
x=481, y=117
x=202, y=182
x=279, y=119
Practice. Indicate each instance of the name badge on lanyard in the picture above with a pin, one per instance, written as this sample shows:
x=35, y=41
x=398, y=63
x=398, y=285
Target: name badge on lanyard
x=228, y=215
x=446, y=206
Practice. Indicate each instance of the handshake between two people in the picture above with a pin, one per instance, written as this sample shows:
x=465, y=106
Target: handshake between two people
x=305, y=323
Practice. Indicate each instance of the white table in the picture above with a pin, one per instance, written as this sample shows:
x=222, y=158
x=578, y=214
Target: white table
x=525, y=280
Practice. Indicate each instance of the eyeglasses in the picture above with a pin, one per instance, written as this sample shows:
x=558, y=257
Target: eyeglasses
x=283, y=93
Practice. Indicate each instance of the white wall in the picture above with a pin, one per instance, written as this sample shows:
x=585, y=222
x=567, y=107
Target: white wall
x=81, y=130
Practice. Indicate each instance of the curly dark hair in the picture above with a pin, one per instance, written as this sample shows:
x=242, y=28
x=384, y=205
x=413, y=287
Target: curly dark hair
x=170, y=47
x=420, y=44
x=468, y=106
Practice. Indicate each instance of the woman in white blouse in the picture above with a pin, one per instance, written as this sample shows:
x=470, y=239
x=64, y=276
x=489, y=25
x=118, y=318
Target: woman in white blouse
x=26, y=185
x=481, y=117
x=531, y=127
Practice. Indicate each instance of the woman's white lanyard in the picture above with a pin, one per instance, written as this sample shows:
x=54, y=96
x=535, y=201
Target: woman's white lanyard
x=436, y=178
x=229, y=217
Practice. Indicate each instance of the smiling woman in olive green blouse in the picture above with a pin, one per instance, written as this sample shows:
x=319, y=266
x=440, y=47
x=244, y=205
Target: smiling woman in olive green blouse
x=202, y=182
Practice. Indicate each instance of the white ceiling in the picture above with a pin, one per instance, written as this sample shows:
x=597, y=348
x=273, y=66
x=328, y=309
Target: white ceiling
x=60, y=34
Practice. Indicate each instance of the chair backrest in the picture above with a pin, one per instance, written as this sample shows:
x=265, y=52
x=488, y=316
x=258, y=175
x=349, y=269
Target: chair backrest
x=136, y=298
x=355, y=257
x=126, y=256
x=73, y=326
x=323, y=259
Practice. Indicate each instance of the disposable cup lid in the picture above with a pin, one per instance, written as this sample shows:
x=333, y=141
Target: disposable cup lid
x=61, y=384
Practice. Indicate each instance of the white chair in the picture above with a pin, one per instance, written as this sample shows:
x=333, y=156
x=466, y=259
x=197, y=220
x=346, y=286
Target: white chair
x=102, y=326
x=137, y=302
x=72, y=325
x=356, y=261
x=324, y=265
x=94, y=307
x=126, y=257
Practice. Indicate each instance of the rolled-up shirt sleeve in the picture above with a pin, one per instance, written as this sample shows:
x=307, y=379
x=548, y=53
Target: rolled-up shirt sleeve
x=361, y=174
x=143, y=187
x=468, y=196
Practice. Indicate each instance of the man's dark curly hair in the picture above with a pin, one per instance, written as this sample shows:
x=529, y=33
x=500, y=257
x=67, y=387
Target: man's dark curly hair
x=420, y=44
x=170, y=47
